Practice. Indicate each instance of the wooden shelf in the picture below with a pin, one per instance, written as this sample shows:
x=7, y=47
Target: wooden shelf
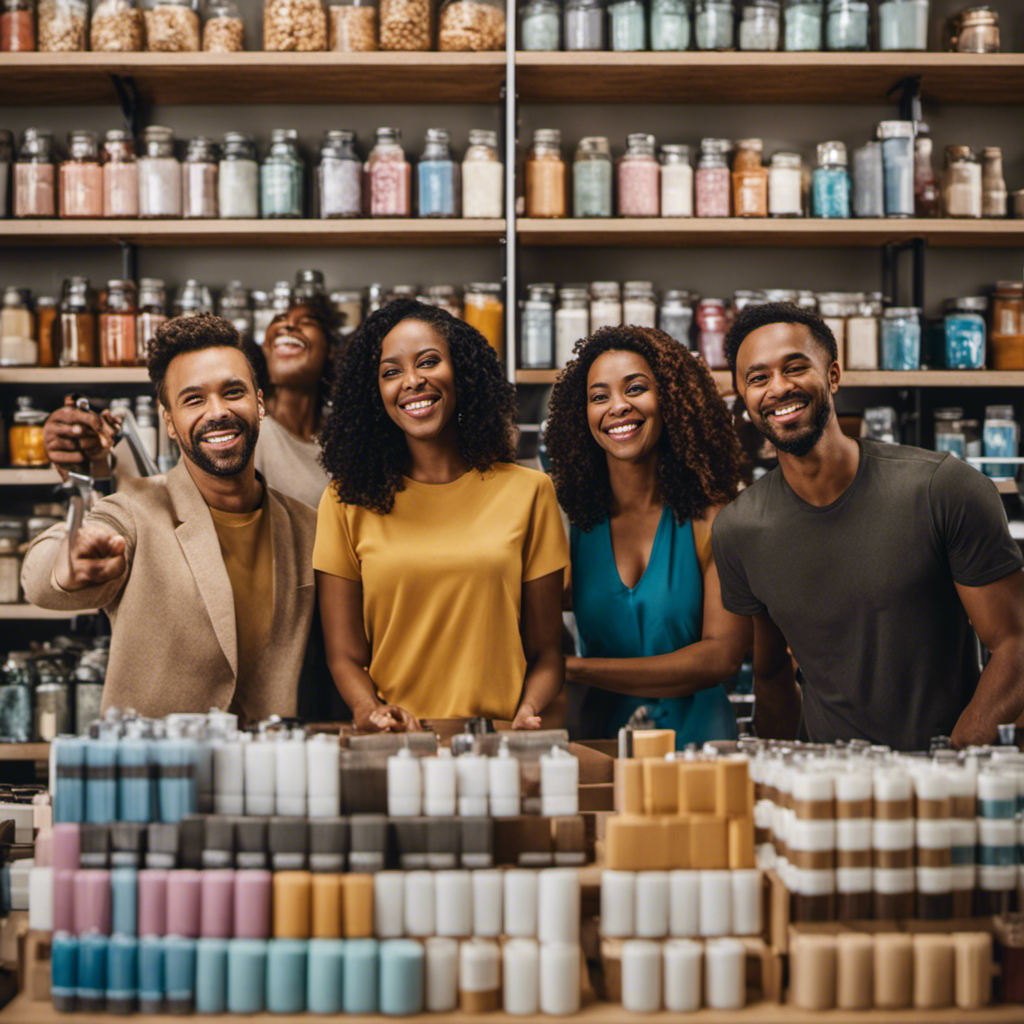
x=25, y=612
x=766, y=77
x=254, y=78
x=24, y=751
x=1007, y=486
x=39, y=477
x=74, y=375
x=803, y=232
x=252, y=232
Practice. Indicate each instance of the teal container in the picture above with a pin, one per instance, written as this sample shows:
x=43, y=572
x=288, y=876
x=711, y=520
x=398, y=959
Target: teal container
x=592, y=178
x=401, y=977
x=212, y=976
x=124, y=901
x=101, y=781
x=286, y=975
x=151, y=974
x=92, y=972
x=135, y=793
x=64, y=971
x=122, y=974
x=670, y=24
x=325, y=976
x=69, y=795
x=180, y=968
x=247, y=975
x=360, y=976
x=627, y=25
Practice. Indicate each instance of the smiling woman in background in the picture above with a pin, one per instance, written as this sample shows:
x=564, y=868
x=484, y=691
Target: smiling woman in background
x=643, y=455
x=439, y=561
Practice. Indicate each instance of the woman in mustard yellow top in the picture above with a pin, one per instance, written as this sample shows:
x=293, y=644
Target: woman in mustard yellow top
x=439, y=561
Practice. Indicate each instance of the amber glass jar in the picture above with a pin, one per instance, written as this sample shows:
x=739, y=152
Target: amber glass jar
x=545, y=175
x=76, y=332
x=117, y=325
x=749, y=180
x=25, y=438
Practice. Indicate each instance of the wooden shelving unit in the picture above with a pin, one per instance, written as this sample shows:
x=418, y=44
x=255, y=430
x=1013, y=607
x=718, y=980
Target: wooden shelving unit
x=24, y=751
x=73, y=375
x=26, y=612
x=43, y=477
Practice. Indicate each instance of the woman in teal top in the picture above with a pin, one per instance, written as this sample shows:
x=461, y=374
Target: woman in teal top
x=643, y=454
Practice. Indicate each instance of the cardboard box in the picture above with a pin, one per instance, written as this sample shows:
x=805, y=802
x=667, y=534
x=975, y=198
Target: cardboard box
x=661, y=785
x=697, y=787
x=629, y=786
x=709, y=842
x=653, y=742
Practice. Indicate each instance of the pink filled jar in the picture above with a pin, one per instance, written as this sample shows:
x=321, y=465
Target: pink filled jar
x=199, y=180
x=81, y=178
x=120, y=175
x=388, y=176
x=35, y=177
x=639, y=178
x=713, y=182
x=712, y=323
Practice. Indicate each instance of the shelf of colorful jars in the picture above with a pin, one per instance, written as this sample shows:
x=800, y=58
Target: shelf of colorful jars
x=45, y=79
x=30, y=611
x=17, y=477
x=73, y=375
x=283, y=232
x=797, y=232
x=737, y=77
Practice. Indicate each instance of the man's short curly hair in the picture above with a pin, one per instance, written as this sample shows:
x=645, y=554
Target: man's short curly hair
x=192, y=334
x=699, y=454
x=365, y=453
x=753, y=318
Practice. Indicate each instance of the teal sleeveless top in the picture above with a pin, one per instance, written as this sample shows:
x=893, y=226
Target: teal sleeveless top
x=661, y=614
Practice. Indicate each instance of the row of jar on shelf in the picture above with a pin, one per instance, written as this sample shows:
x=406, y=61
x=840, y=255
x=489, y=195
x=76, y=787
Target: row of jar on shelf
x=173, y=26
x=758, y=25
x=891, y=177
x=869, y=335
x=227, y=181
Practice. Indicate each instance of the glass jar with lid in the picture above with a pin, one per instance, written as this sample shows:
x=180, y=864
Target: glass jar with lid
x=675, y=315
x=676, y=181
x=538, y=345
x=830, y=184
x=949, y=432
x=46, y=329
x=18, y=344
x=759, y=25
x=309, y=284
x=993, y=184
x=280, y=297
x=61, y=25
x=903, y=25
x=117, y=325
x=262, y=314
x=961, y=184
x=483, y=176
x=901, y=338
x=17, y=26
x=406, y=24
x=834, y=308
x=862, y=333
x=234, y=306
x=639, y=178
x=238, y=178
x=159, y=174
x=35, y=175
x=194, y=297
x=848, y=25
x=282, y=176
x=471, y=25
x=804, y=21
x=749, y=180
x=605, y=305
x=349, y=304
x=927, y=196
x=1001, y=438
x=975, y=30
x=1007, y=334
x=898, y=167
x=713, y=25
x=116, y=27
x=199, y=180
x=639, y=305
x=785, y=185
x=437, y=177
x=712, y=324
x=572, y=320
x=713, y=182
x=485, y=310
x=627, y=25
x=592, y=178
x=25, y=436
x=223, y=29
x=540, y=25
x=81, y=179
x=353, y=26
x=583, y=24
x=76, y=325
x=339, y=176
x=294, y=25
x=172, y=26
x=670, y=25
x=120, y=175
x=389, y=176
x=152, y=313
x=964, y=329
x=545, y=175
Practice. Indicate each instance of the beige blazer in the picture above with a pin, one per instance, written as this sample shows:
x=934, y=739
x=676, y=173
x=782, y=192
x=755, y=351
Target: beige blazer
x=174, y=643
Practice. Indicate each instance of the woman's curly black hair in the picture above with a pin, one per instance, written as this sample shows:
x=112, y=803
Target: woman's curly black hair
x=365, y=453
x=699, y=454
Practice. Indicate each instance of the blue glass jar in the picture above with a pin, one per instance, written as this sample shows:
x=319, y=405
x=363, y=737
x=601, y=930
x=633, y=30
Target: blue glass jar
x=16, y=688
x=592, y=178
x=965, y=333
x=949, y=432
x=1001, y=437
x=804, y=22
x=540, y=23
x=898, y=167
x=437, y=178
x=282, y=176
x=848, y=23
x=627, y=25
x=830, y=185
x=670, y=24
x=901, y=338
x=713, y=25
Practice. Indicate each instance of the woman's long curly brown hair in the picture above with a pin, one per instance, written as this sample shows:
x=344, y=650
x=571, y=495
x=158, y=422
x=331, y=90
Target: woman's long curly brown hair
x=365, y=452
x=699, y=456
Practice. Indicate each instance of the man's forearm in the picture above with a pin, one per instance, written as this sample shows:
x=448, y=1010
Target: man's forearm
x=998, y=699
x=777, y=704
x=543, y=680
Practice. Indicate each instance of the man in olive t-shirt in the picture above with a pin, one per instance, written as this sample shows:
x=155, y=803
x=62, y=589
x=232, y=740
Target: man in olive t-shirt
x=870, y=560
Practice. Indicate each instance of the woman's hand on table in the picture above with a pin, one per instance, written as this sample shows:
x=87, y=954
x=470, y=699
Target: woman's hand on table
x=387, y=718
x=526, y=717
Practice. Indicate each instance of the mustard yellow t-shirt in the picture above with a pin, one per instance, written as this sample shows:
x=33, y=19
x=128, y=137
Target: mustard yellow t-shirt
x=442, y=578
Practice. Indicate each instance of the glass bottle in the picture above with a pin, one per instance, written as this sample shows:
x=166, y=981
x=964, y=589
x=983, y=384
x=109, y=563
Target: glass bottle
x=670, y=25
x=713, y=182
x=898, y=166
x=152, y=313
x=233, y=305
x=675, y=315
x=61, y=25
x=199, y=180
x=1001, y=437
x=117, y=325
x=17, y=27
x=676, y=181
x=120, y=175
x=483, y=176
x=903, y=25
x=172, y=26
x=159, y=175
x=639, y=178
x=353, y=26
x=388, y=176
x=804, y=22
x=964, y=331
x=18, y=344
x=711, y=326
x=46, y=329
x=545, y=175
x=592, y=178
x=713, y=25
x=848, y=24
x=830, y=186
x=76, y=326
x=538, y=345
x=282, y=176
x=437, y=177
x=785, y=185
x=486, y=312
x=81, y=179
x=627, y=25
x=572, y=320
x=35, y=193
x=116, y=27
x=223, y=29
x=901, y=338
x=339, y=176
x=949, y=431
x=993, y=184
x=238, y=178
x=868, y=181
x=639, y=305
x=749, y=180
x=759, y=25
x=540, y=25
x=927, y=198
x=961, y=183
x=583, y=24
x=25, y=437
x=605, y=305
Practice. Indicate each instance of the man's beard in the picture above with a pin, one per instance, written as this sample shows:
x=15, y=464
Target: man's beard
x=194, y=452
x=802, y=443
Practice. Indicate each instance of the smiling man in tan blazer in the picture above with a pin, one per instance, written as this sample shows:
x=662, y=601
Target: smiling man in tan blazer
x=206, y=573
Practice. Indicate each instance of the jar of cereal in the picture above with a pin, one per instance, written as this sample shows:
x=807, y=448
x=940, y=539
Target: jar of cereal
x=294, y=25
x=172, y=26
x=224, y=29
x=116, y=27
x=353, y=26
x=471, y=25
x=406, y=24
x=61, y=25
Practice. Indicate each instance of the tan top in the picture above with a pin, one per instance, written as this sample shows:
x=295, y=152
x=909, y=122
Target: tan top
x=290, y=463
